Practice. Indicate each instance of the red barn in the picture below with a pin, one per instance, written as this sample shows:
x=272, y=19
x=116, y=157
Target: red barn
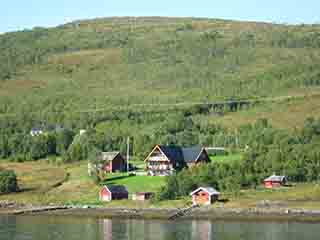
x=113, y=192
x=141, y=196
x=204, y=196
x=112, y=162
x=274, y=181
x=108, y=162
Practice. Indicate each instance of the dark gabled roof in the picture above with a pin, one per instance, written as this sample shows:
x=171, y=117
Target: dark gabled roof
x=179, y=154
x=116, y=188
x=108, y=156
x=191, y=154
x=174, y=153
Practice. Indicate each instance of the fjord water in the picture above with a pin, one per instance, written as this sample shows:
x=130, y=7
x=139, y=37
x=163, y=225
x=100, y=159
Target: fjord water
x=70, y=228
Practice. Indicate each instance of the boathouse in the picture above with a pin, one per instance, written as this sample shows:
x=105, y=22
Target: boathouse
x=113, y=192
x=204, y=196
x=275, y=181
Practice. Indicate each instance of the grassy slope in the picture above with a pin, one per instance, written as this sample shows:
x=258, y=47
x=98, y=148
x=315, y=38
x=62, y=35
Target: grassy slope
x=36, y=180
x=288, y=114
x=159, y=62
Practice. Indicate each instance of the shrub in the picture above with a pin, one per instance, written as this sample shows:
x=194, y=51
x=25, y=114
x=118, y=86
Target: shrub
x=8, y=181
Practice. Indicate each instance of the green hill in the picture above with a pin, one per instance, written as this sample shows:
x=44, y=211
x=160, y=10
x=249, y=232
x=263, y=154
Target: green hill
x=121, y=61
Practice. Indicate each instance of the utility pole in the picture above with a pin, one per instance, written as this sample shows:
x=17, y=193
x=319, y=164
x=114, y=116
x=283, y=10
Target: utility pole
x=128, y=154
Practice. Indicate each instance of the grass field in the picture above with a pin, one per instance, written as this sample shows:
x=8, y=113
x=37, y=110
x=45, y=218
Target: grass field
x=137, y=183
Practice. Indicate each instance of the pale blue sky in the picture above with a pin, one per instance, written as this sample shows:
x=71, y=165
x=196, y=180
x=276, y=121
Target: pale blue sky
x=22, y=14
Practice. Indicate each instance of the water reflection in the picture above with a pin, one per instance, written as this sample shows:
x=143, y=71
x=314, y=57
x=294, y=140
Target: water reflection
x=206, y=230
x=142, y=229
x=68, y=228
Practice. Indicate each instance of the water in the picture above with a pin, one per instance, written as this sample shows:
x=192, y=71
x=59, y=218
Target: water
x=68, y=228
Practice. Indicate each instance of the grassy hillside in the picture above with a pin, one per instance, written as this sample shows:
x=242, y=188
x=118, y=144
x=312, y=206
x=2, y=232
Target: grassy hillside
x=45, y=183
x=111, y=62
x=288, y=114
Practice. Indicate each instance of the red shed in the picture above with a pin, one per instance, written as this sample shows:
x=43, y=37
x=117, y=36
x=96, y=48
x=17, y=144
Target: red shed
x=112, y=162
x=113, y=192
x=275, y=181
x=108, y=162
x=204, y=196
x=141, y=196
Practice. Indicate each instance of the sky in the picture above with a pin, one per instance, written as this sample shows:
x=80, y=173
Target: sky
x=26, y=14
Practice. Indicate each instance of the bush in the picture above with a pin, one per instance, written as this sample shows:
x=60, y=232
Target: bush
x=8, y=181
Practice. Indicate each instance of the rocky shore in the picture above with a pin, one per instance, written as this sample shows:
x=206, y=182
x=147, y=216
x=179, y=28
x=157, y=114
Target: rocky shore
x=165, y=214
x=205, y=213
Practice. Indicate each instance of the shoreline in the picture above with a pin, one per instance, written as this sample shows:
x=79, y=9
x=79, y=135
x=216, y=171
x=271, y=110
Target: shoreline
x=203, y=213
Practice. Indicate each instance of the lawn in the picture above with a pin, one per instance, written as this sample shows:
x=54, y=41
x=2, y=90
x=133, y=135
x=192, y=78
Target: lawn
x=137, y=183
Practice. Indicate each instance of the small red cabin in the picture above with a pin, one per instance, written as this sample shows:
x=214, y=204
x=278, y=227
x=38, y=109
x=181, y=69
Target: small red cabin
x=112, y=162
x=108, y=162
x=274, y=181
x=204, y=196
x=141, y=196
x=113, y=192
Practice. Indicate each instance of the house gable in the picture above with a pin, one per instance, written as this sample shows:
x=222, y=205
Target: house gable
x=157, y=155
x=204, y=195
x=203, y=156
